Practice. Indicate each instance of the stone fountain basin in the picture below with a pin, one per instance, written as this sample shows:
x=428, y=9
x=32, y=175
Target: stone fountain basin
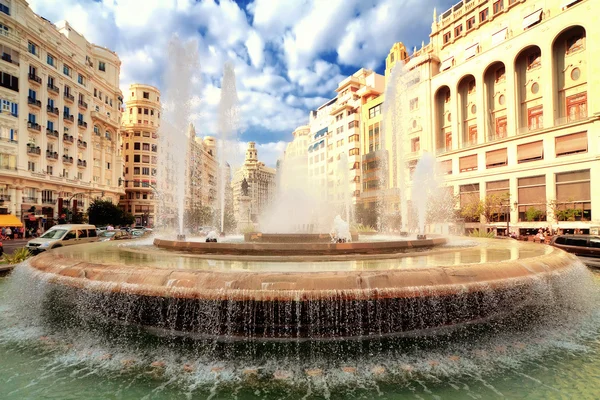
x=59, y=267
x=310, y=248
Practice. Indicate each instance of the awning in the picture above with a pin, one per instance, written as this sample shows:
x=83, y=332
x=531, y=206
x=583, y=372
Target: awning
x=499, y=36
x=9, y=220
x=571, y=144
x=568, y=3
x=447, y=63
x=468, y=163
x=530, y=151
x=496, y=158
x=533, y=18
x=471, y=51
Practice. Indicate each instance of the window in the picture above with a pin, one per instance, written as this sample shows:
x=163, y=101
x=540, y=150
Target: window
x=577, y=107
x=354, y=152
x=339, y=129
x=501, y=74
x=470, y=23
x=145, y=111
x=575, y=43
x=145, y=159
x=50, y=60
x=353, y=124
x=472, y=138
x=448, y=141
x=534, y=60
x=415, y=145
x=573, y=195
x=49, y=170
x=136, y=158
x=136, y=170
x=458, y=30
x=469, y=195
x=145, y=171
x=337, y=117
x=66, y=70
x=414, y=104
x=8, y=81
x=571, y=144
x=500, y=128
x=472, y=86
x=146, y=146
x=496, y=158
x=498, y=6
x=32, y=48
x=4, y=8
x=468, y=163
x=444, y=167
x=136, y=146
x=31, y=166
x=80, y=79
x=535, y=118
x=375, y=111
x=447, y=37
x=527, y=152
x=101, y=66
x=483, y=15
x=107, y=165
x=146, y=95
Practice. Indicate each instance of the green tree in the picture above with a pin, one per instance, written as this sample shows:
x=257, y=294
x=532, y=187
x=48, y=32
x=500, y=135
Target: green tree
x=533, y=214
x=495, y=204
x=104, y=212
x=127, y=218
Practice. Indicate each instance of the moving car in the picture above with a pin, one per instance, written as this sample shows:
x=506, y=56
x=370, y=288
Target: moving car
x=580, y=245
x=115, y=234
x=63, y=235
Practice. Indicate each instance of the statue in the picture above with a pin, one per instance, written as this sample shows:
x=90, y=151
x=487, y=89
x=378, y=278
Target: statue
x=245, y=187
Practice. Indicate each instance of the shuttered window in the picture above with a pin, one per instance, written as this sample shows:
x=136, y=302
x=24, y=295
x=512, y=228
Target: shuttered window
x=571, y=144
x=469, y=194
x=573, y=186
x=496, y=158
x=468, y=163
x=531, y=190
x=445, y=167
x=530, y=152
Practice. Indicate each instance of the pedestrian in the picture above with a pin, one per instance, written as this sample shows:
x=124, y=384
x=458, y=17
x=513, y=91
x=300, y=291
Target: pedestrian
x=39, y=232
x=9, y=233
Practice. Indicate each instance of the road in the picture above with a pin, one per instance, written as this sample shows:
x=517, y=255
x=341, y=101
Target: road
x=12, y=245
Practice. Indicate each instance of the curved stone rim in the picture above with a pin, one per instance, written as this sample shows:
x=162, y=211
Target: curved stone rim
x=252, y=249
x=301, y=286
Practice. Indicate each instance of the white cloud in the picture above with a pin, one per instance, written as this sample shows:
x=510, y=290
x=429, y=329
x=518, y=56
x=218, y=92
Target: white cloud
x=256, y=47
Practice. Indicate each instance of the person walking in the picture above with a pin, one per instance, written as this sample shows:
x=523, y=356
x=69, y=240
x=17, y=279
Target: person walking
x=9, y=233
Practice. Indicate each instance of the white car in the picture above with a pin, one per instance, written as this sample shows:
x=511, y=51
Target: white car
x=63, y=235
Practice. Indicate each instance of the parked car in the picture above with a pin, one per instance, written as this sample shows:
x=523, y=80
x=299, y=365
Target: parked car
x=63, y=235
x=580, y=245
x=116, y=234
x=136, y=233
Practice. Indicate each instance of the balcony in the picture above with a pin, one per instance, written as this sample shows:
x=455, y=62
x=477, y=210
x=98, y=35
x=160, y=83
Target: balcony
x=52, y=110
x=4, y=197
x=82, y=104
x=67, y=159
x=97, y=115
x=29, y=200
x=36, y=151
x=51, y=134
x=68, y=138
x=82, y=124
x=68, y=118
x=81, y=163
x=34, y=126
x=51, y=155
x=48, y=201
x=35, y=79
x=53, y=88
x=68, y=96
x=578, y=116
x=81, y=144
x=8, y=59
x=34, y=102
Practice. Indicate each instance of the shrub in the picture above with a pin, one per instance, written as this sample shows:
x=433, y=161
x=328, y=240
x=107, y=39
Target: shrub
x=481, y=233
x=17, y=256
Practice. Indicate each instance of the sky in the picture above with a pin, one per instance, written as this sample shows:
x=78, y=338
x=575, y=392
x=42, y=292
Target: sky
x=289, y=55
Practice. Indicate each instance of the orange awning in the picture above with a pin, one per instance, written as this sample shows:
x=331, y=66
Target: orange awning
x=10, y=220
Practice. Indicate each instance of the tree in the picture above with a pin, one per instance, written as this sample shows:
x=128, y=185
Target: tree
x=563, y=212
x=127, y=219
x=104, y=212
x=533, y=214
x=495, y=204
x=472, y=211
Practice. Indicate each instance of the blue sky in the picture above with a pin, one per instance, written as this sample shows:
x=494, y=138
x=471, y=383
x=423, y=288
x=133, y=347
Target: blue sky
x=288, y=55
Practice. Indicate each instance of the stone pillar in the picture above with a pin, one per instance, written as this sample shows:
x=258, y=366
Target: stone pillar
x=18, y=200
x=245, y=217
x=513, y=103
x=12, y=204
x=482, y=109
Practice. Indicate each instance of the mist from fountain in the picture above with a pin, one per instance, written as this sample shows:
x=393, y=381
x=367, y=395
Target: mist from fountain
x=343, y=182
x=425, y=186
x=227, y=128
x=395, y=127
x=183, y=68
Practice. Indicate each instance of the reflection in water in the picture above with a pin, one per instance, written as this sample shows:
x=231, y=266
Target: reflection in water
x=148, y=255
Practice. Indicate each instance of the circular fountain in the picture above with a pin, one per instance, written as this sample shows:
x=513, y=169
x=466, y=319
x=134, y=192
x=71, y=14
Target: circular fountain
x=230, y=290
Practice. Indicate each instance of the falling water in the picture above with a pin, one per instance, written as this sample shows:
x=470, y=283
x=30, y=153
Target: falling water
x=424, y=177
x=343, y=174
x=182, y=69
x=395, y=126
x=228, y=126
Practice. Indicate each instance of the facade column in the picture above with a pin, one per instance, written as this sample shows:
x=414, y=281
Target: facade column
x=18, y=200
x=455, y=118
x=512, y=101
x=547, y=87
x=12, y=204
x=550, y=195
x=482, y=109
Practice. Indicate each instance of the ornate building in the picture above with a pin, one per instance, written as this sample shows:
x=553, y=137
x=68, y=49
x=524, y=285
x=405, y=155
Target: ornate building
x=60, y=115
x=261, y=184
x=141, y=121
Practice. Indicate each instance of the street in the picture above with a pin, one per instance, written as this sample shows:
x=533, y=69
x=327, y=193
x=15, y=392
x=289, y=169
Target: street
x=12, y=245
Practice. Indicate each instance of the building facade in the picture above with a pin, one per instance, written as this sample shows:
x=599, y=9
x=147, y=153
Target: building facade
x=141, y=120
x=512, y=114
x=60, y=118
x=261, y=184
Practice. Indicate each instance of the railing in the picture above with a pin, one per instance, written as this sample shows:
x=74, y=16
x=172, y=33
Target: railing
x=53, y=110
x=5, y=197
x=81, y=163
x=34, y=102
x=30, y=200
x=34, y=78
x=51, y=133
x=48, y=201
x=53, y=88
x=8, y=59
x=9, y=140
x=34, y=150
x=81, y=143
x=52, y=155
x=68, y=138
x=68, y=96
x=570, y=118
x=34, y=126
x=81, y=123
x=69, y=118
x=531, y=128
x=82, y=104
x=67, y=159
